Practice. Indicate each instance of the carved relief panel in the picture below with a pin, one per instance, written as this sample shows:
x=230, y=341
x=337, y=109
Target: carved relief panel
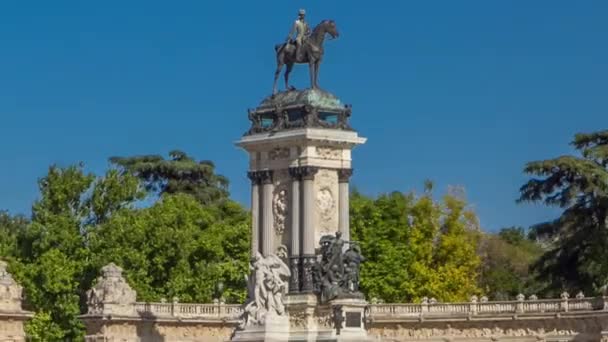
x=280, y=206
x=326, y=203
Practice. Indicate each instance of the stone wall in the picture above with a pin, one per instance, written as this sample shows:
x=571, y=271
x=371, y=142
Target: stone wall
x=114, y=315
x=12, y=316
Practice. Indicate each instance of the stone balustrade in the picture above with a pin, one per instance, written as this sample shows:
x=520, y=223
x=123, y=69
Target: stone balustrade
x=216, y=311
x=430, y=310
x=115, y=315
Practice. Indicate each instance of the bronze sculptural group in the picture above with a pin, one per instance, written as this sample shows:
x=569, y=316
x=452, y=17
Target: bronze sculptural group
x=306, y=48
x=336, y=274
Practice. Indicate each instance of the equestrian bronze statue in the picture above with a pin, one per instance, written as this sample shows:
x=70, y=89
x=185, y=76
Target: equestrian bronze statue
x=304, y=49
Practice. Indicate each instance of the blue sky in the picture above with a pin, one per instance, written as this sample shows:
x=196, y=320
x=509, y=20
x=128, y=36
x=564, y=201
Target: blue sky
x=461, y=92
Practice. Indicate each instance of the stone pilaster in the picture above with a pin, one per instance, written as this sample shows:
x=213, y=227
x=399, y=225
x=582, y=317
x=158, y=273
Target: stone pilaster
x=343, y=203
x=255, y=211
x=267, y=217
x=308, y=245
x=294, y=258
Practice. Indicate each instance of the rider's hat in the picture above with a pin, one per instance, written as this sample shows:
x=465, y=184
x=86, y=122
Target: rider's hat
x=302, y=12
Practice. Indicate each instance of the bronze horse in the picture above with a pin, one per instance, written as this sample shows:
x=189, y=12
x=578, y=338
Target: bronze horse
x=311, y=53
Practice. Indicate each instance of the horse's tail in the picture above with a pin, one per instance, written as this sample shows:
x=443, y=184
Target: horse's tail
x=279, y=47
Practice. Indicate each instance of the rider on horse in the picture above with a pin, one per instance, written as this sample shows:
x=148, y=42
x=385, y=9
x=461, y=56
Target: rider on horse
x=301, y=30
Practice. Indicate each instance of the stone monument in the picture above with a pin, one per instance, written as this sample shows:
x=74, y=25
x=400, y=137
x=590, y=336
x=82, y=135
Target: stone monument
x=12, y=316
x=299, y=146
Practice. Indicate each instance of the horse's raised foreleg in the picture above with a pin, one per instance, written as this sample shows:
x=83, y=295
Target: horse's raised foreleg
x=276, y=76
x=287, y=72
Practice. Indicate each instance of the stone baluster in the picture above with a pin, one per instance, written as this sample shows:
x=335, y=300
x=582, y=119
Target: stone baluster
x=343, y=203
x=519, y=306
x=308, y=214
x=255, y=211
x=294, y=259
x=564, y=303
x=267, y=217
x=473, y=305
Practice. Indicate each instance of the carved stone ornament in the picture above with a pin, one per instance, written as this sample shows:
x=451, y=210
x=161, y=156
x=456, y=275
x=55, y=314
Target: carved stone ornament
x=112, y=294
x=280, y=208
x=328, y=152
x=10, y=291
x=267, y=286
x=326, y=203
x=279, y=153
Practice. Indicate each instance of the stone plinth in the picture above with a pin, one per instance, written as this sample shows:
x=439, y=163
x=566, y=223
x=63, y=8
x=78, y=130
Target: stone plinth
x=12, y=316
x=274, y=329
x=349, y=315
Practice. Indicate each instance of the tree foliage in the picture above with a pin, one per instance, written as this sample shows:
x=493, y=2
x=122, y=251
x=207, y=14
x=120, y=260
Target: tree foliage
x=578, y=258
x=416, y=247
x=181, y=246
x=507, y=258
x=177, y=248
x=179, y=174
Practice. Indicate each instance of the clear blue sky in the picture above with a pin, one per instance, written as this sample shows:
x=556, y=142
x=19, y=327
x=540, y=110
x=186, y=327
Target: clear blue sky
x=461, y=92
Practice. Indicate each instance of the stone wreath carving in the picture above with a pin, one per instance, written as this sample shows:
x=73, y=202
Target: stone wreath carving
x=279, y=209
x=327, y=152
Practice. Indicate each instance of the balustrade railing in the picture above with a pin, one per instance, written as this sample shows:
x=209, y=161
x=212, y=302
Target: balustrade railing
x=192, y=311
x=432, y=309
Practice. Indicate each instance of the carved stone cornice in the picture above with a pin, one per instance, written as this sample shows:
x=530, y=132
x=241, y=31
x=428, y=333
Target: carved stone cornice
x=308, y=172
x=344, y=175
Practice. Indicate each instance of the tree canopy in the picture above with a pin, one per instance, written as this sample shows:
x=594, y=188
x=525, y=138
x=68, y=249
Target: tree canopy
x=577, y=258
x=178, y=174
x=416, y=247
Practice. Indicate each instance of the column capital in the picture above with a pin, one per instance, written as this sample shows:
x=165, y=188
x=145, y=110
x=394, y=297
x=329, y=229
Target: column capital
x=260, y=177
x=308, y=172
x=254, y=176
x=295, y=173
x=344, y=175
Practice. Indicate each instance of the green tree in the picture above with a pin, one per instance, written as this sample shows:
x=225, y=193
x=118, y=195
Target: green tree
x=507, y=258
x=179, y=174
x=10, y=229
x=416, y=247
x=178, y=248
x=577, y=258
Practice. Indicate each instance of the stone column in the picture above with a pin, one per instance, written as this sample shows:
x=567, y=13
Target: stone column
x=343, y=203
x=294, y=258
x=308, y=236
x=255, y=212
x=267, y=219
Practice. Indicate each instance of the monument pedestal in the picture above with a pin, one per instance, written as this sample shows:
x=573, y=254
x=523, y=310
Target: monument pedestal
x=351, y=325
x=274, y=329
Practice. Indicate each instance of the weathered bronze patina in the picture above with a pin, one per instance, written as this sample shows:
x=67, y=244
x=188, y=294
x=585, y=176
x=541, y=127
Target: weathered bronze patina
x=304, y=49
x=297, y=109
